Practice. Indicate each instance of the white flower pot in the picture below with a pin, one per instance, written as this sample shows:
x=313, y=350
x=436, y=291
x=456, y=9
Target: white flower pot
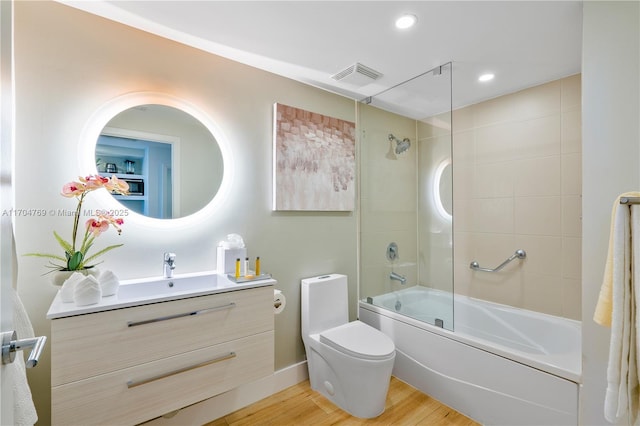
x=59, y=277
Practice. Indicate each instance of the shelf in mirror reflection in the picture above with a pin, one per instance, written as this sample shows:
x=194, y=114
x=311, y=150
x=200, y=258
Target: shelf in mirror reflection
x=169, y=149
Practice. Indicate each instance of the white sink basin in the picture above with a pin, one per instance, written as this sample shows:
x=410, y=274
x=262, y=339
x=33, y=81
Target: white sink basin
x=135, y=289
x=143, y=291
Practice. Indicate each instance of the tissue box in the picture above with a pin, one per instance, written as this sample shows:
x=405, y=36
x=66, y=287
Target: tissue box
x=227, y=259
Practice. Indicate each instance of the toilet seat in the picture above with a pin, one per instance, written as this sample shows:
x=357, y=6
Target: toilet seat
x=359, y=340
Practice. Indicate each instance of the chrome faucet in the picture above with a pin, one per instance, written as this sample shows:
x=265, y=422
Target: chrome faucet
x=398, y=277
x=169, y=264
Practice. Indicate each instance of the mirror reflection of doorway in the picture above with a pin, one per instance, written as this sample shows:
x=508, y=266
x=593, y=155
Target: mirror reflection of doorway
x=146, y=165
x=166, y=195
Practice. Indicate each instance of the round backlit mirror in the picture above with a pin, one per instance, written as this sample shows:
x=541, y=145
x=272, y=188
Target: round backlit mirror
x=164, y=154
x=176, y=160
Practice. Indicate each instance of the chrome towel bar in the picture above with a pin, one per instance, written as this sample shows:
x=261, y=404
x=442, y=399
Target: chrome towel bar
x=629, y=200
x=519, y=254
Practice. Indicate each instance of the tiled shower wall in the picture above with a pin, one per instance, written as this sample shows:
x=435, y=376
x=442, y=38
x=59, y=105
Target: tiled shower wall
x=517, y=185
x=387, y=201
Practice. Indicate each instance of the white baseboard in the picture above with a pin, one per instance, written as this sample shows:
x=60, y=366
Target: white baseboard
x=235, y=399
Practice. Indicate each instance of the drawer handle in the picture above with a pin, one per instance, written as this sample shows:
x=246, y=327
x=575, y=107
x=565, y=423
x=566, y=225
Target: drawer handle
x=132, y=384
x=185, y=314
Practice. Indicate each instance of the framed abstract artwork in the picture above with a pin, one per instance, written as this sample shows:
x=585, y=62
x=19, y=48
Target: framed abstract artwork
x=314, y=161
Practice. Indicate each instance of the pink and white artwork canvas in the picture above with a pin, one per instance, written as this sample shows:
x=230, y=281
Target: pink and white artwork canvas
x=314, y=161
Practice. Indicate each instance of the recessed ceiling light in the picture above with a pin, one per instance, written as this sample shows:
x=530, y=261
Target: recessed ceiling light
x=406, y=21
x=486, y=77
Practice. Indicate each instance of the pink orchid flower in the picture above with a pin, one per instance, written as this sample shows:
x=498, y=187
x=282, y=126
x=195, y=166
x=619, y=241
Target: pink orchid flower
x=73, y=189
x=97, y=227
x=117, y=186
x=75, y=255
x=93, y=182
x=110, y=220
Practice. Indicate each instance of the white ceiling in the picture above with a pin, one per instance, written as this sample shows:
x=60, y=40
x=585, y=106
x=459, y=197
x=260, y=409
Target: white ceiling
x=524, y=43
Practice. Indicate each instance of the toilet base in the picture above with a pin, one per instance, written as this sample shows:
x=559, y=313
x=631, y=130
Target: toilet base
x=359, y=387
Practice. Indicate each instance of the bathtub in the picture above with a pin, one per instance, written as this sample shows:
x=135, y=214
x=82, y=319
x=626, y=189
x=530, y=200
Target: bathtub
x=501, y=365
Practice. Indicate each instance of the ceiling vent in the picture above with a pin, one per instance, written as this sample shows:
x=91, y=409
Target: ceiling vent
x=357, y=74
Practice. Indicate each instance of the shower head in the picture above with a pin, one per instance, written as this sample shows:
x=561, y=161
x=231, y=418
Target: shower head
x=401, y=145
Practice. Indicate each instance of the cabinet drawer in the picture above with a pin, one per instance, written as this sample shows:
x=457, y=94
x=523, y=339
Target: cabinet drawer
x=108, y=399
x=93, y=344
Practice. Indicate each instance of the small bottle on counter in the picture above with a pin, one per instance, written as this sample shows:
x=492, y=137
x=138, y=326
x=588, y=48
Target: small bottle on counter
x=237, y=268
x=257, y=266
x=246, y=267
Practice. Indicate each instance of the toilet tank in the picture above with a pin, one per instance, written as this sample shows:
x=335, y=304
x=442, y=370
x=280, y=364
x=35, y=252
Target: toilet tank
x=324, y=303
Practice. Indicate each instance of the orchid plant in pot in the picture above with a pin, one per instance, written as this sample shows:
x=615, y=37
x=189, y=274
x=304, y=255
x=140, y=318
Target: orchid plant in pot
x=76, y=258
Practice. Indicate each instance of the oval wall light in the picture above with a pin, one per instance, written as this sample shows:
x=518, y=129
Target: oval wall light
x=406, y=21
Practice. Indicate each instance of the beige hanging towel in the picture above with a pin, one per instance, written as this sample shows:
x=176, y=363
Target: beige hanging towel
x=604, y=306
x=617, y=308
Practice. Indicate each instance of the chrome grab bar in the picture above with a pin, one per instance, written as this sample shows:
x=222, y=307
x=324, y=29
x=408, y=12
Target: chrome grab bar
x=184, y=314
x=11, y=344
x=519, y=254
x=133, y=384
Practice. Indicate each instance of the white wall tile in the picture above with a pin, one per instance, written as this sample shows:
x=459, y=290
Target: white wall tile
x=494, y=215
x=374, y=247
x=464, y=148
x=572, y=216
x=537, y=176
x=571, y=92
x=497, y=143
x=571, y=128
x=544, y=254
x=571, y=296
x=491, y=249
x=543, y=293
x=572, y=257
x=463, y=119
x=539, y=137
x=506, y=287
x=572, y=174
x=464, y=183
x=538, y=215
x=522, y=190
x=463, y=215
x=517, y=184
x=494, y=180
x=523, y=105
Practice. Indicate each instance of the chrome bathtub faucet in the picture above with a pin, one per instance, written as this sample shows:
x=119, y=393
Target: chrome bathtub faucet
x=398, y=277
x=169, y=264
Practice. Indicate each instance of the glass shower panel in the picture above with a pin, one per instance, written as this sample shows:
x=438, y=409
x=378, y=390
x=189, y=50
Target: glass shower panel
x=406, y=231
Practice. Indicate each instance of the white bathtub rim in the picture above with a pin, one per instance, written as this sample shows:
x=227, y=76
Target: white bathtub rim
x=564, y=366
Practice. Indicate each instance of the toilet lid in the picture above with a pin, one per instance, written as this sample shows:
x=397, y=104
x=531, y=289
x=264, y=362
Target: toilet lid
x=359, y=340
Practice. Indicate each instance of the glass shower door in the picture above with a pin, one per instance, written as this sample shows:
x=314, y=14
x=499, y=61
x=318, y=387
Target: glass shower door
x=406, y=205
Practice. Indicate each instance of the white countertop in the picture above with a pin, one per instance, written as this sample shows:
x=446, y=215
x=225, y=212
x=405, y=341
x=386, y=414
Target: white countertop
x=144, y=291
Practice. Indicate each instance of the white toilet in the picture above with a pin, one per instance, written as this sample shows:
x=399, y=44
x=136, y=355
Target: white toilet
x=350, y=363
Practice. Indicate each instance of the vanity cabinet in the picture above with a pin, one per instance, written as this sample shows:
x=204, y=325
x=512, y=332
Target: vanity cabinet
x=129, y=365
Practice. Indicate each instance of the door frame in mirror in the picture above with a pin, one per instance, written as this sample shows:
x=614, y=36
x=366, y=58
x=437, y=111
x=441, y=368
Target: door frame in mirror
x=98, y=121
x=175, y=156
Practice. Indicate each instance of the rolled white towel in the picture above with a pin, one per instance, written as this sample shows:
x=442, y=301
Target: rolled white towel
x=68, y=287
x=109, y=283
x=87, y=291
